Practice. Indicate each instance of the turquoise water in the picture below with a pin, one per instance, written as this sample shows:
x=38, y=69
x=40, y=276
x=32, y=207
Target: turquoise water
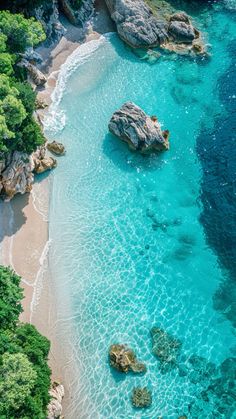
x=129, y=250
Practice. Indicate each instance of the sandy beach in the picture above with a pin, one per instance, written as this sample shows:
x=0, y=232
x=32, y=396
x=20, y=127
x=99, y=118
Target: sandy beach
x=24, y=234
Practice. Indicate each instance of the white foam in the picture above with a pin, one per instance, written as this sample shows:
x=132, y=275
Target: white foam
x=40, y=198
x=38, y=283
x=55, y=119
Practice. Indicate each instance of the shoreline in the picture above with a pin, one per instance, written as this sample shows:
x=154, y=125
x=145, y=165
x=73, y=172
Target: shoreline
x=25, y=231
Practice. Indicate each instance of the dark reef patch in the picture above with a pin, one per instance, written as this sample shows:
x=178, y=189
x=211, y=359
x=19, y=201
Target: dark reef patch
x=216, y=149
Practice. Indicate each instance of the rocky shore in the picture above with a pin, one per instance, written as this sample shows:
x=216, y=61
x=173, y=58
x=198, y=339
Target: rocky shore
x=140, y=27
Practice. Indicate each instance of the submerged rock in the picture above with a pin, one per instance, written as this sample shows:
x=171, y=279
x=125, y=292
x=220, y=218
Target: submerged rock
x=124, y=359
x=139, y=27
x=56, y=148
x=140, y=131
x=55, y=406
x=166, y=348
x=141, y=397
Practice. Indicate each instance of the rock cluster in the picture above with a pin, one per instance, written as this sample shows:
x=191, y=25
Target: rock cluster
x=48, y=15
x=124, y=359
x=139, y=27
x=42, y=163
x=166, y=348
x=55, y=406
x=140, y=131
x=141, y=397
x=17, y=171
x=56, y=148
x=77, y=17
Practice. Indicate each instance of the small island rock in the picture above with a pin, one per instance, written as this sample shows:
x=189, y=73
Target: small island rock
x=141, y=397
x=56, y=148
x=140, y=131
x=124, y=359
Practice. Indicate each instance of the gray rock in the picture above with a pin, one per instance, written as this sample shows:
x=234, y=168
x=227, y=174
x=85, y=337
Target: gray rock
x=140, y=131
x=15, y=174
x=140, y=28
x=55, y=406
x=79, y=16
x=48, y=15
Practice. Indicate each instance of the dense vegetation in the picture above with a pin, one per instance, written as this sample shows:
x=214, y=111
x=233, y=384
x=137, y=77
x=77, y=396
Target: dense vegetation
x=18, y=129
x=24, y=373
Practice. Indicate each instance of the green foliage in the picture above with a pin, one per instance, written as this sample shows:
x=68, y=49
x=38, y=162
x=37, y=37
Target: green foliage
x=32, y=136
x=10, y=298
x=24, y=373
x=13, y=110
x=3, y=42
x=6, y=62
x=26, y=95
x=18, y=130
x=20, y=32
x=17, y=379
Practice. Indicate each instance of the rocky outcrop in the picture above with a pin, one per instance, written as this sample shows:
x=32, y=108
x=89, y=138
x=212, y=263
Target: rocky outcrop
x=56, y=148
x=42, y=163
x=139, y=27
x=141, y=397
x=36, y=76
x=77, y=16
x=124, y=359
x=55, y=406
x=48, y=15
x=140, y=131
x=17, y=171
x=166, y=348
x=15, y=174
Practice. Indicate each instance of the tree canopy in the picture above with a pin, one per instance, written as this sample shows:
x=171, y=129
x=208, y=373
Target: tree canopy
x=18, y=130
x=24, y=373
x=20, y=32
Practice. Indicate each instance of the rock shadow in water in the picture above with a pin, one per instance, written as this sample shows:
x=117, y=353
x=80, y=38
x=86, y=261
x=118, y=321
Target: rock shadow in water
x=129, y=161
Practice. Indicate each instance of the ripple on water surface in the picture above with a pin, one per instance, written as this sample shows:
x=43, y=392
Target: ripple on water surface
x=129, y=251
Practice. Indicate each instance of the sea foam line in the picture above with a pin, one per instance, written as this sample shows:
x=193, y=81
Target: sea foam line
x=38, y=283
x=55, y=119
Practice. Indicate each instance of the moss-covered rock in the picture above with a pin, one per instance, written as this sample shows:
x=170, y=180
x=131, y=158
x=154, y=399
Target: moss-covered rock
x=141, y=397
x=123, y=359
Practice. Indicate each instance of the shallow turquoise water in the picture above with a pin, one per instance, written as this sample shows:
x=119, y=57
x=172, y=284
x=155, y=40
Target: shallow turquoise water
x=128, y=247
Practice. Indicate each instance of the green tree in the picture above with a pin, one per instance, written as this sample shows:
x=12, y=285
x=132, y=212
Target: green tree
x=13, y=110
x=32, y=136
x=11, y=295
x=3, y=42
x=6, y=63
x=17, y=380
x=26, y=95
x=20, y=32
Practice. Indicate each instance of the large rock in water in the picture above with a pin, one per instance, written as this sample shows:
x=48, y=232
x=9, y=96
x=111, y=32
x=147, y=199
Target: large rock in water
x=140, y=131
x=124, y=359
x=140, y=28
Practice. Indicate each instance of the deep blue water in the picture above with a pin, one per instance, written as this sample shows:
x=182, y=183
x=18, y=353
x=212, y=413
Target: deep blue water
x=147, y=241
